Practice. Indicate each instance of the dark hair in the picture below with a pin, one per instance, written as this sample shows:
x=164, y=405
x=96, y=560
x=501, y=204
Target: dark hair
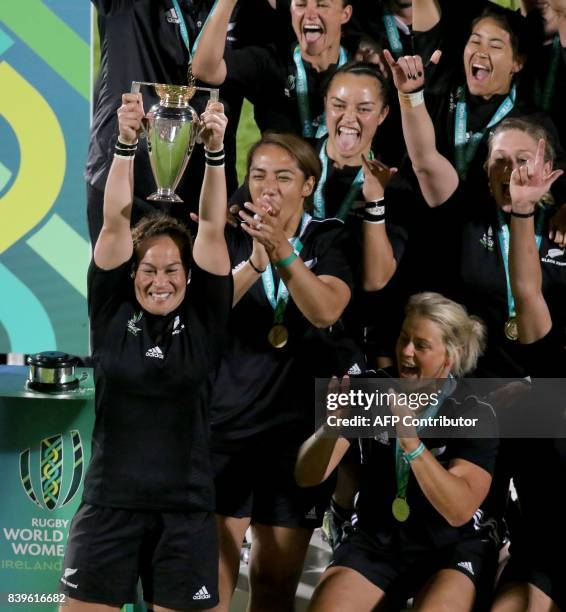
x=513, y=23
x=361, y=69
x=161, y=224
x=534, y=130
x=300, y=150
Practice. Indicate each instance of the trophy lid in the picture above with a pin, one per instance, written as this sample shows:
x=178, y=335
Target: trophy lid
x=174, y=96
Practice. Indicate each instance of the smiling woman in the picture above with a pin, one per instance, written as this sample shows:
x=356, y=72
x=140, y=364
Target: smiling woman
x=162, y=256
x=491, y=56
x=418, y=510
x=154, y=343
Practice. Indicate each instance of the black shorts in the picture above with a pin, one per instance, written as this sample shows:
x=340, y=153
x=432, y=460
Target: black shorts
x=258, y=481
x=174, y=553
x=546, y=573
x=402, y=572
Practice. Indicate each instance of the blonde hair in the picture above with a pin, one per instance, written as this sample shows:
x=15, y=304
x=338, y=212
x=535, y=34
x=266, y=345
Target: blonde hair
x=463, y=335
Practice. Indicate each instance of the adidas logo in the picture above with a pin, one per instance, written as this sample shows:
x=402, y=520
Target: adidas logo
x=311, y=514
x=202, y=593
x=154, y=352
x=467, y=566
x=355, y=370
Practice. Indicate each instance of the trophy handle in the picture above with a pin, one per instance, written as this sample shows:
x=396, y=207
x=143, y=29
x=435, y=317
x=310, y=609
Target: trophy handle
x=214, y=97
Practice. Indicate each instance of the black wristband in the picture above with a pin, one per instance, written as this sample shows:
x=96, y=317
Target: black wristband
x=214, y=154
x=214, y=162
x=122, y=150
x=523, y=215
x=374, y=212
x=256, y=269
x=126, y=146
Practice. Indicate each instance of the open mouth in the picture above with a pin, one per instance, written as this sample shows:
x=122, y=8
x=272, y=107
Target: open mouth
x=480, y=72
x=347, y=137
x=159, y=297
x=408, y=370
x=312, y=32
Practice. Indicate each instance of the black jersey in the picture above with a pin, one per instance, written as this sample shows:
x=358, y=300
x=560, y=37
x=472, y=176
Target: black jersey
x=335, y=187
x=483, y=286
x=140, y=40
x=153, y=378
x=425, y=525
x=268, y=79
x=260, y=387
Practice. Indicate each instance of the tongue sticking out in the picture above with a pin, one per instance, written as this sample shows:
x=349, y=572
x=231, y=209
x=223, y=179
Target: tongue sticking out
x=312, y=36
x=347, y=140
x=481, y=74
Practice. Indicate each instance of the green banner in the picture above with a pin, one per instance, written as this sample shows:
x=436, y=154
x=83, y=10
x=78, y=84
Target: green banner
x=44, y=451
x=44, y=119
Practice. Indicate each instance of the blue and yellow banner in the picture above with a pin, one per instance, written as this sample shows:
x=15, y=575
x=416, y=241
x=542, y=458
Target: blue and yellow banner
x=44, y=131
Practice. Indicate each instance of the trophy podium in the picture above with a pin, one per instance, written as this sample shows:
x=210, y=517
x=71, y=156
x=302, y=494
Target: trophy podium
x=171, y=127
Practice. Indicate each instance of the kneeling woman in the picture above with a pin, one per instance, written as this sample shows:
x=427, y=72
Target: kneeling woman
x=440, y=547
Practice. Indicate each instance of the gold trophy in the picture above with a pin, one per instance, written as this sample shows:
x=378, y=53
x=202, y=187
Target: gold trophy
x=171, y=127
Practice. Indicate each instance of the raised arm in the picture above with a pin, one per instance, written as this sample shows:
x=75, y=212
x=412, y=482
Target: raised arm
x=321, y=299
x=559, y=8
x=527, y=187
x=210, y=251
x=114, y=245
x=379, y=264
x=437, y=177
x=426, y=14
x=208, y=60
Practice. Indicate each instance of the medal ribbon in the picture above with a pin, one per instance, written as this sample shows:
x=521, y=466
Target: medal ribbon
x=403, y=467
x=393, y=37
x=319, y=203
x=543, y=97
x=185, y=31
x=309, y=128
x=466, y=149
x=279, y=301
x=503, y=235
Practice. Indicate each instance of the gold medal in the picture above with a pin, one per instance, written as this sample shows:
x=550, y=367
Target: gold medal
x=278, y=336
x=511, y=329
x=400, y=509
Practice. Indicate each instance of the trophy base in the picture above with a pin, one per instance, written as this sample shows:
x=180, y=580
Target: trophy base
x=165, y=195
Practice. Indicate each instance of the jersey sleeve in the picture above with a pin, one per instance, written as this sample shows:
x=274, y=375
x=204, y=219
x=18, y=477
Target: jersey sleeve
x=211, y=297
x=482, y=448
x=105, y=289
x=333, y=259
